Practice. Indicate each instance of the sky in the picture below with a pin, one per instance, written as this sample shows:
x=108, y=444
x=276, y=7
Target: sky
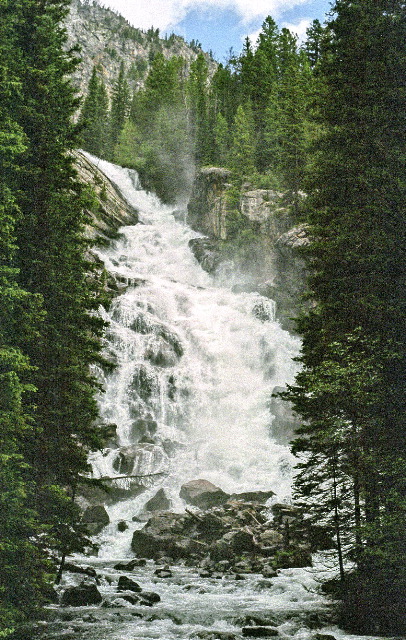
x=219, y=25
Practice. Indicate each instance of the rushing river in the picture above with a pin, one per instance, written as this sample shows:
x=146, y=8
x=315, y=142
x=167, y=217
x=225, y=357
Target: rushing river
x=196, y=364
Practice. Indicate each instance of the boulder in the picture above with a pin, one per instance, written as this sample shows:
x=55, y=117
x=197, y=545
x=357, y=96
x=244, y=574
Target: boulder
x=148, y=544
x=203, y=494
x=149, y=597
x=126, y=584
x=81, y=596
x=163, y=573
x=259, y=632
x=269, y=572
x=253, y=496
x=240, y=541
x=122, y=526
x=216, y=635
x=95, y=518
x=159, y=502
x=73, y=568
x=130, y=566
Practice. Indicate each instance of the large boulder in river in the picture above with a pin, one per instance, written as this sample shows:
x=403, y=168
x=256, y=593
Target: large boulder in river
x=203, y=494
x=159, y=502
x=82, y=595
x=163, y=535
x=95, y=518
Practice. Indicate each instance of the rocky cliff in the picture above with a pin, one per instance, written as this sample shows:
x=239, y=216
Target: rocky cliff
x=266, y=246
x=112, y=210
x=106, y=39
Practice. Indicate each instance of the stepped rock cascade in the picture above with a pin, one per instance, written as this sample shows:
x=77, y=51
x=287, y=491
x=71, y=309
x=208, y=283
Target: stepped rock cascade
x=189, y=398
x=195, y=366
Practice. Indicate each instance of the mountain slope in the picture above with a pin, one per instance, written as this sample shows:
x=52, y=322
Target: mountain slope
x=106, y=39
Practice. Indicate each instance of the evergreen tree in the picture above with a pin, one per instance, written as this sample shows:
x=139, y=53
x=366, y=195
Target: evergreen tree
x=314, y=42
x=52, y=267
x=120, y=104
x=242, y=155
x=23, y=565
x=356, y=275
x=197, y=90
x=94, y=117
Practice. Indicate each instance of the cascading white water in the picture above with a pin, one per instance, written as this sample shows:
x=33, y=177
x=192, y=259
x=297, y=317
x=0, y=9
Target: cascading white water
x=196, y=366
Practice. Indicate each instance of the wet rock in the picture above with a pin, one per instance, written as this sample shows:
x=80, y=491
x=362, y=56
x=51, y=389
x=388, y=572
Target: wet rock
x=263, y=584
x=253, y=496
x=324, y=636
x=215, y=635
x=122, y=526
x=202, y=493
x=130, y=566
x=206, y=573
x=150, y=597
x=134, y=459
x=72, y=568
x=126, y=584
x=259, y=632
x=221, y=550
x=144, y=425
x=163, y=573
x=206, y=253
x=210, y=525
x=159, y=502
x=81, y=596
x=251, y=620
x=269, y=572
x=95, y=518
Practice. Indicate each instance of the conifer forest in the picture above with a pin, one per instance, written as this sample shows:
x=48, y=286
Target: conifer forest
x=320, y=123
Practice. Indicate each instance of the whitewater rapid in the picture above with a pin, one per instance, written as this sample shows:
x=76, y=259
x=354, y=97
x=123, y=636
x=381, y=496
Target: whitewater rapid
x=193, y=358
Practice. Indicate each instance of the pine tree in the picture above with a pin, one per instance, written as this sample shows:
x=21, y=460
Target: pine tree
x=94, y=117
x=197, y=91
x=356, y=275
x=314, y=42
x=120, y=104
x=242, y=154
x=52, y=267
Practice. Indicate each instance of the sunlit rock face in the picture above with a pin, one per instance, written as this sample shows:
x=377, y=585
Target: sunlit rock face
x=106, y=39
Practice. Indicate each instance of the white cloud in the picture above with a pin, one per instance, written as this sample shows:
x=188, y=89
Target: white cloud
x=299, y=28
x=166, y=14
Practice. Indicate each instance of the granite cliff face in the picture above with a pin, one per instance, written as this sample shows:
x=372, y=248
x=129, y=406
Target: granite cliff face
x=273, y=266
x=106, y=39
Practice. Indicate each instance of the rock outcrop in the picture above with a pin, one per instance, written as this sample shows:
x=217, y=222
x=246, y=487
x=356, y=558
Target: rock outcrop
x=113, y=210
x=238, y=537
x=202, y=493
x=271, y=262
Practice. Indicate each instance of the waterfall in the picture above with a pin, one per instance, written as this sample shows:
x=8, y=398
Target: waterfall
x=196, y=365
